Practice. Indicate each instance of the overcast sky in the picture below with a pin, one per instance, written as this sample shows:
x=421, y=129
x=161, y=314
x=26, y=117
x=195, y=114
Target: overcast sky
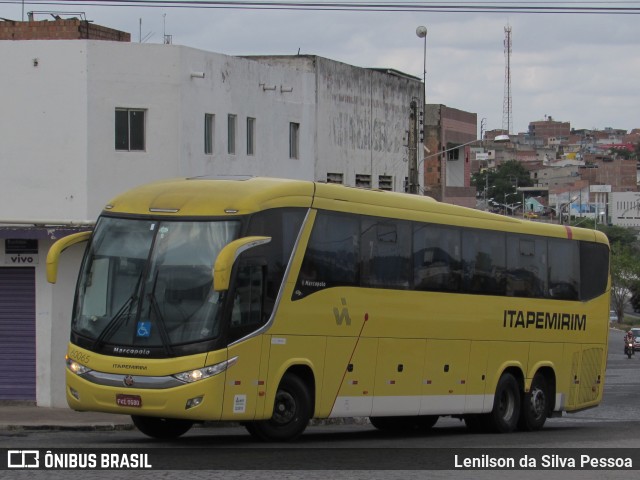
x=584, y=69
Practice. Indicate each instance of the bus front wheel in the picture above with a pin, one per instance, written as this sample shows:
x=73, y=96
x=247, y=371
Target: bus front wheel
x=161, y=428
x=291, y=412
x=506, y=405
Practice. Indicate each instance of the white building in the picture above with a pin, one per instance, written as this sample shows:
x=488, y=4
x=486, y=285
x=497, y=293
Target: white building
x=624, y=209
x=83, y=120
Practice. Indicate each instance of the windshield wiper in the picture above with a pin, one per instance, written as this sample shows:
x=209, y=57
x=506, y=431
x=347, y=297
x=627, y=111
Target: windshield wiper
x=117, y=319
x=115, y=322
x=162, y=327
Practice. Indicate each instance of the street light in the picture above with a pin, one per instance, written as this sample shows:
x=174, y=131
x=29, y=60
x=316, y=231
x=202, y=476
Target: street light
x=566, y=205
x=506, y=203
x=421, y=32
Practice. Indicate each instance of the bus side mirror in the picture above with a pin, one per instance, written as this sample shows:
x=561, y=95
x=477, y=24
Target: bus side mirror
x=227, y=257
x=57, y=248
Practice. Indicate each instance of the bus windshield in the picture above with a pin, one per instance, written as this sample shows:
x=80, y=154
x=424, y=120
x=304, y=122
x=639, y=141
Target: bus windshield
x=148, y=283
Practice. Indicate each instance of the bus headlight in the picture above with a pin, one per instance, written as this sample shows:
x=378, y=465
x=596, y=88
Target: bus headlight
x=76, y=367
x=191, y=376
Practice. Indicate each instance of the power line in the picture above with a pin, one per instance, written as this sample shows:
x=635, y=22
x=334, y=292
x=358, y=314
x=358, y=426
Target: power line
x=599, y=8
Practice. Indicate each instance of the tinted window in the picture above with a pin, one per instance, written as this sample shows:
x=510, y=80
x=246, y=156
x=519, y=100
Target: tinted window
x=594, y=272
x=385, y=253
x=332, y=254
x=436, y=258
x=564, y=269
x=283, y=226
x=526, y=266
x=483, y=259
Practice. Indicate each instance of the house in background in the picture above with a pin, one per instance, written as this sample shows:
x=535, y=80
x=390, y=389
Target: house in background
x=448, y=137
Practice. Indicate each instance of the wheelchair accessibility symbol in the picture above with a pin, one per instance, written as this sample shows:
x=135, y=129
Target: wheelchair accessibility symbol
x=144, y=329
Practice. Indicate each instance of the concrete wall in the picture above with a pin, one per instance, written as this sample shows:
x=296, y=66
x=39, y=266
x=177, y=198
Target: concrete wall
x=363, y=121
x=43, y=130
x=54, y=304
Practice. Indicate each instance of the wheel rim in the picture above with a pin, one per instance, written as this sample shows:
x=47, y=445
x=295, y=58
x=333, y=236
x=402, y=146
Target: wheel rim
x=538, y=403
x=285, y=408
x=507, y=405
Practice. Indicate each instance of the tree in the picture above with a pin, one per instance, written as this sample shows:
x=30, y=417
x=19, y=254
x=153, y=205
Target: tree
x=620, y=236
x=502, y=181
x=625, y=276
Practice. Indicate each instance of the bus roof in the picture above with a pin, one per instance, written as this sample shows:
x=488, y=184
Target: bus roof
x=223, y=196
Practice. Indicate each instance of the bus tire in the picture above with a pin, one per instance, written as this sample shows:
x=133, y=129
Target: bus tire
x=161, y=428
x=535, y=405
x=506, y=405
x=292, y=410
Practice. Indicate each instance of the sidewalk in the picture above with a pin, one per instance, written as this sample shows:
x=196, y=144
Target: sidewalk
x=24, y=416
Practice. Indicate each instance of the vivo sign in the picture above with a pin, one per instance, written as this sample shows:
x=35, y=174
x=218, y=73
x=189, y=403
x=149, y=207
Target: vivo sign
x=16, y=259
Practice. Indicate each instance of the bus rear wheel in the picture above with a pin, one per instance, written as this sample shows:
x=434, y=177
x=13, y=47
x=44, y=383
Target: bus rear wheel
x=535, y=405
x=291, y=412
x=161, y=428
x=506, y=405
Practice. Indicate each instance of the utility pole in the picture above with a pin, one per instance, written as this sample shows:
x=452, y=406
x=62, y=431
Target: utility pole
x=507, y=107
x=413, y=148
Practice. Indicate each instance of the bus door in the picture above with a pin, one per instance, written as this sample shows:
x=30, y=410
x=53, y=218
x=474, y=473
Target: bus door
x=243, y=379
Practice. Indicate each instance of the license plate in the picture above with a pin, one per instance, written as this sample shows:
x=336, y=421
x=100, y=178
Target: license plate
x=128, y=400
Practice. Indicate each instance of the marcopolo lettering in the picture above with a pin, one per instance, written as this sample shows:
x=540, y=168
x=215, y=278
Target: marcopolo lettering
x=132, y=351
x=544, y=320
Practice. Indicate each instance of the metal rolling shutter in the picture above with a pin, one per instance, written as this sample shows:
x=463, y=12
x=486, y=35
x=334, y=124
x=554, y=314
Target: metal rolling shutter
x=17, y=334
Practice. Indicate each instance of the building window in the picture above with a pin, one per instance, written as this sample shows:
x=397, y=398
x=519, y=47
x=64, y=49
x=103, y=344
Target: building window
x=294, y=140
x=251, y=136
x=335, y=178
x=130, y=129
x=208, y=133
x=363, y=181
x=385, y=182
x=231, y=134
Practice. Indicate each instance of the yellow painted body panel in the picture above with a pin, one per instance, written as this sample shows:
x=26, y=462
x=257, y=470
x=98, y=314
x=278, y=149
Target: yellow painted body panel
x=155, y=402
x=244, y=382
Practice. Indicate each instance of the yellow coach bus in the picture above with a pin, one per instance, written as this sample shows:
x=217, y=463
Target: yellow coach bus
x=270, y=302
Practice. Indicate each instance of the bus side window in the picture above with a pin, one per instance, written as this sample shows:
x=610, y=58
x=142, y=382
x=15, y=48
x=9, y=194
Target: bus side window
x=331, y=258
x=385, y=253
x=594, y=268
x=484, y=262
x=526, y=266
x=436, y=258
x=564, y=269
x=247, y=312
